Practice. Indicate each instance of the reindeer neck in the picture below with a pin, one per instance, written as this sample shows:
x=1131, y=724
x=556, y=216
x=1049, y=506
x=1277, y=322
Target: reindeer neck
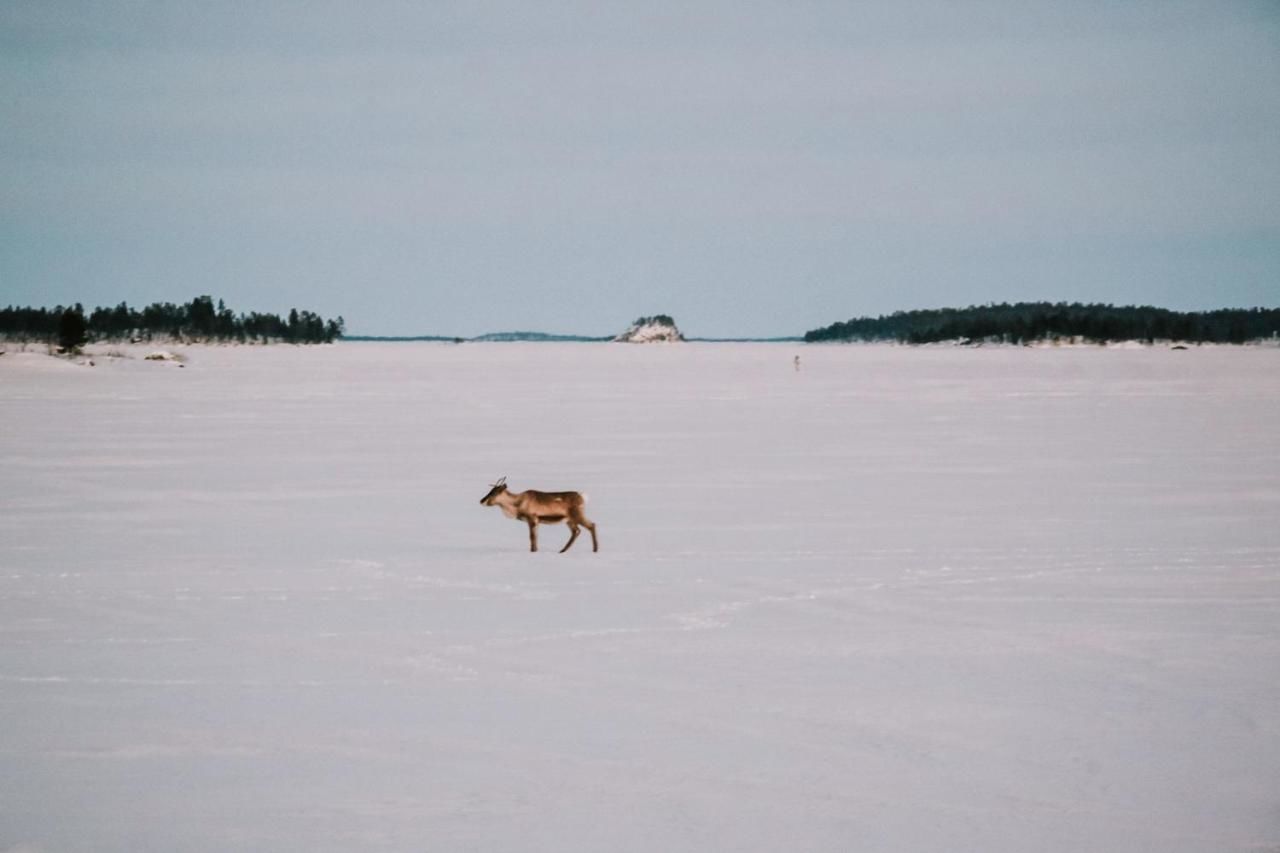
x=507, y=501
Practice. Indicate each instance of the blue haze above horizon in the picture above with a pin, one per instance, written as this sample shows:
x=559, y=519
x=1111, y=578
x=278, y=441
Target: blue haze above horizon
x=750, y=169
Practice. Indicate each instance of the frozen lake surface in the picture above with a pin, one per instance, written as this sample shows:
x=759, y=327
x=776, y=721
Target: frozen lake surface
x=900, y=600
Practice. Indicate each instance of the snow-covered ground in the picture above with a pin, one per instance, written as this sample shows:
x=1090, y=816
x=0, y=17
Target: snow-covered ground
x=903, y=599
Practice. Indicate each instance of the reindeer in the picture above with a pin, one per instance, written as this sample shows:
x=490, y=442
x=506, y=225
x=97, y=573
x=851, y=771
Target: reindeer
x=534, y=508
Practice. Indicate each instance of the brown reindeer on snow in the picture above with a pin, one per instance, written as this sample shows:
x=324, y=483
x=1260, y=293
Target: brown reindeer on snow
x=534, y=508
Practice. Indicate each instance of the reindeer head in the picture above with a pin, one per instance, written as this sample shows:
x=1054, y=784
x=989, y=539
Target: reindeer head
x=495, y=489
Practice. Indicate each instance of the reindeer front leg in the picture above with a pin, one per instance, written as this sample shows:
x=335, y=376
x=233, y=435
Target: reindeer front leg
x=533, y=533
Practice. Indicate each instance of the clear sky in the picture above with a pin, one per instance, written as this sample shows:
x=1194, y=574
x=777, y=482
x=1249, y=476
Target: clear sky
x=749, y=168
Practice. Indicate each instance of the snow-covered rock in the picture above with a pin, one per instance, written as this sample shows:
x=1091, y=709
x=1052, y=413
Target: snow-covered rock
x=651, y=330
x=166, y=356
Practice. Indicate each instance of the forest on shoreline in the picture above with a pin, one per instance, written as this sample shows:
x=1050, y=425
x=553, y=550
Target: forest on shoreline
x=199, y=320
x=203, y=320
x=1031, y=322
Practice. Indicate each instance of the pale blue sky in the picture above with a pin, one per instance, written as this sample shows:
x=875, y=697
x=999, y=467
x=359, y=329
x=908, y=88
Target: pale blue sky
x=749, y=168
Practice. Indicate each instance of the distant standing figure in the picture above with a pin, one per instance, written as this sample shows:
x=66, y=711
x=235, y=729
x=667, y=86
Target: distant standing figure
x=797, y=363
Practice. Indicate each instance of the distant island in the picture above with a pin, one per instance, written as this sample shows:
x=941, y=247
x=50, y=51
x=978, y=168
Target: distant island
x=1032, y=322
x=538, y=337
x=405, y=338
x=654, y=329
x=544, y=337
x=659, y=328
x=490, y=337
x=199, y=320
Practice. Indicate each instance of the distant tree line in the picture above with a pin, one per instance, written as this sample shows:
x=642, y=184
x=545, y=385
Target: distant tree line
x=198, y=320
x=1028, y=322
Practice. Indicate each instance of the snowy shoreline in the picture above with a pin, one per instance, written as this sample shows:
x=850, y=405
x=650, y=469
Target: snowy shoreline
x=106, y=352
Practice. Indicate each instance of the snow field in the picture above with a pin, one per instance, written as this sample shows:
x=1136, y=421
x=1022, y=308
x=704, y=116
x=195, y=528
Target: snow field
x=900, y=600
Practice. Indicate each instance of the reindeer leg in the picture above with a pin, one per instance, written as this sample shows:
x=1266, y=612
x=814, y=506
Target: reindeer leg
x=577, y=518
x=575, y=530
x=533, y=535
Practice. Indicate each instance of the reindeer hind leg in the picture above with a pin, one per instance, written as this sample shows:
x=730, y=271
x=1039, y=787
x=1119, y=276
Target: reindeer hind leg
x=578, y=518
x=574, y=530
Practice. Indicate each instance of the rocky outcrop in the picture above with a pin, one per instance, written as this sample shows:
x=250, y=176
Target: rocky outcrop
x=651, y=330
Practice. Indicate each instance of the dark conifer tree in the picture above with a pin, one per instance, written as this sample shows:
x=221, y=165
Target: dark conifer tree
x=73, y=329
